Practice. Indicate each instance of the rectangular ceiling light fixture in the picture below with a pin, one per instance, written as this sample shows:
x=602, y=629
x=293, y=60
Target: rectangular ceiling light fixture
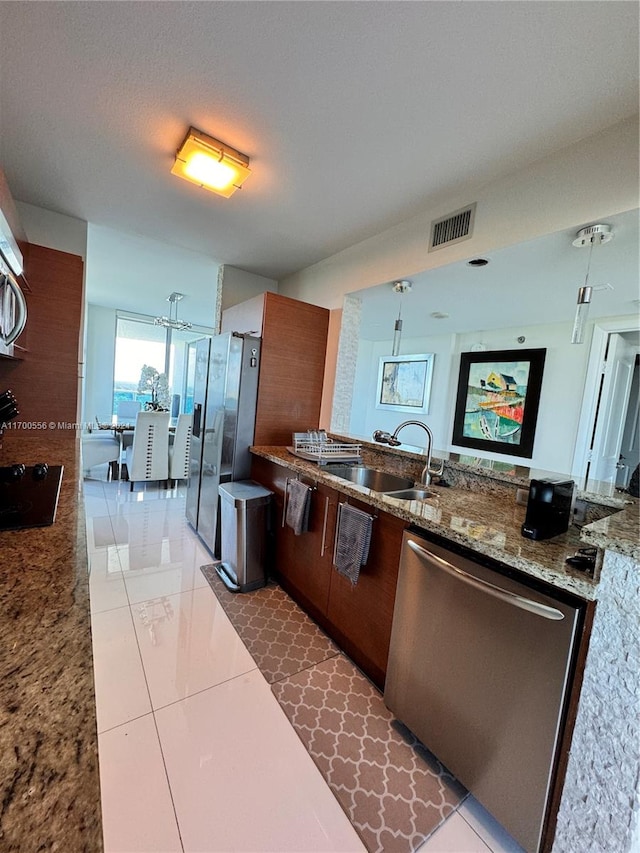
x=211, y=164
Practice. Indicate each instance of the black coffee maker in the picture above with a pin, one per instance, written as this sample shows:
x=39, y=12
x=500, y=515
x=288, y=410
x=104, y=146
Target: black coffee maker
x=549, y=508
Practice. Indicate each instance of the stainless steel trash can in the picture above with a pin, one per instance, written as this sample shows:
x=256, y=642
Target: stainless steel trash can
x=244, y=508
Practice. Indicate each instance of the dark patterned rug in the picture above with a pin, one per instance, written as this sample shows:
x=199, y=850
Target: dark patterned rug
x=394, y=791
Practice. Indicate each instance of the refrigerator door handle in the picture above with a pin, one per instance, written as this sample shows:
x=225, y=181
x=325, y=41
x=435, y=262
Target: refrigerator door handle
x=504, y=595
x=197, y=418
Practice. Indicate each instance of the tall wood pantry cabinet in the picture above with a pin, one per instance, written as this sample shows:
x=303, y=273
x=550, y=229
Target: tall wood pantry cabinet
x=294, y=343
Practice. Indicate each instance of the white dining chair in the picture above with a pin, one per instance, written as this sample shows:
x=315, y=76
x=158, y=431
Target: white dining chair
x=148, y=456
x=180, y=450
x=98, y=449
x=127, y=411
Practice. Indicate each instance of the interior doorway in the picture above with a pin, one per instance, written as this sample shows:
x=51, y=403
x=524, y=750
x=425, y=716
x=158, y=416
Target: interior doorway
x=607, y=447
x=630, y=448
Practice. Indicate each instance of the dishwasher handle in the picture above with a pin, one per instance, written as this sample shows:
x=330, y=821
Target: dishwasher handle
x=509, y=597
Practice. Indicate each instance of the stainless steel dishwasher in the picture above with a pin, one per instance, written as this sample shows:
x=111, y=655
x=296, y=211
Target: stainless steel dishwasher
x=479, y=669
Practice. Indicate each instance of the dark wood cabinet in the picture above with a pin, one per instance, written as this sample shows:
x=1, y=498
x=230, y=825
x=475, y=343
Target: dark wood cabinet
x=358, y=617
x=306, y=559
x=46, y=381
x=362, y=613
x=294, y=344
x=44, y=375
x=302, y=563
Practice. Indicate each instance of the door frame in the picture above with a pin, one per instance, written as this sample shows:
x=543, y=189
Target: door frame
x=590, y=399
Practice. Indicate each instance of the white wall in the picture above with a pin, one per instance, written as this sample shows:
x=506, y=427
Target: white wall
x=365, y=417
x=100, y=347
x=131, y=273
x=576, y=186
x=560, y=399
x=53, y=230
x=134, y=273
x=595, y=178
x=239, y=285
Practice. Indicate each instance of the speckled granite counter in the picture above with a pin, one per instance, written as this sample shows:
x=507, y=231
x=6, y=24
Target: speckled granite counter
x=48, y=738
x=481, y=517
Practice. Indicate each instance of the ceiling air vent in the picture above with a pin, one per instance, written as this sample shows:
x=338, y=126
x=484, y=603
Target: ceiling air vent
x=453, y=228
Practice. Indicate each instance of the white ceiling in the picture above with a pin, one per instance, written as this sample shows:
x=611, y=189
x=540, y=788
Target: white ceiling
x=354, y=114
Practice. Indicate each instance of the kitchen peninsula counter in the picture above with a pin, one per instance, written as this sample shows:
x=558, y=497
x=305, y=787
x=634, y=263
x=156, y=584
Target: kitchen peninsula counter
x=48, y=737
x=488, y=522
x=600, y=757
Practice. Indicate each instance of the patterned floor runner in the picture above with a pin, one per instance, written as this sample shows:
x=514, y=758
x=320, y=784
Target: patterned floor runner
x=280, y=636
x=394, y=791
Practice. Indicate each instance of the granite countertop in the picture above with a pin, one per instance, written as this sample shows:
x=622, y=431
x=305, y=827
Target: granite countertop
x=48, y=736
x=487, y=523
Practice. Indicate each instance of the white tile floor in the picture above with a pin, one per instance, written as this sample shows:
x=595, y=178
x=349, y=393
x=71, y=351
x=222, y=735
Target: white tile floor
x=195, y=752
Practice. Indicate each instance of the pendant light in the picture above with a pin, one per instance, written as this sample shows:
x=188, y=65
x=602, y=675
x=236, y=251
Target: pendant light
x=172, y=322
x=400, y=287
x=590, y=236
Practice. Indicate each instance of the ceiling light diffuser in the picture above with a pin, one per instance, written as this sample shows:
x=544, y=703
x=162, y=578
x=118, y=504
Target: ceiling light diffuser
x=211, y=164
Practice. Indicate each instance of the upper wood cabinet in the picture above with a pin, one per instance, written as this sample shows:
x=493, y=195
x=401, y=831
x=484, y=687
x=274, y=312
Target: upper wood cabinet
x=294, y=344
x=46, y=381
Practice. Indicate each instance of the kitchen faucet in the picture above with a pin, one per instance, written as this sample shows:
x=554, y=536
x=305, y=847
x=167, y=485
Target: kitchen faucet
x=392, y=440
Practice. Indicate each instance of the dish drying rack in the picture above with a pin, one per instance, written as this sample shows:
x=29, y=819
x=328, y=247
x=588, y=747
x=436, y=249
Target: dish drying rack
x=317, y=447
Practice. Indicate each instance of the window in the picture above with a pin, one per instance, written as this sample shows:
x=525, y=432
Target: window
x=138, y=343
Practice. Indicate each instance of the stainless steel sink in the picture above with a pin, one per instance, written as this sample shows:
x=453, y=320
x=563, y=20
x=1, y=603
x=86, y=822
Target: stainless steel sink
x=414, y=494
x=378, y=481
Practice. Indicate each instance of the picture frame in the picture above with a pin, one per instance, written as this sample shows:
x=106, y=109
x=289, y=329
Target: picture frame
x=497, y=400
x=404, y=383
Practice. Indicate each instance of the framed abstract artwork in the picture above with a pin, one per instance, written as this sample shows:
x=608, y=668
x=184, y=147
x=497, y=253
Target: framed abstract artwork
x=404, y=383
x=497, y=400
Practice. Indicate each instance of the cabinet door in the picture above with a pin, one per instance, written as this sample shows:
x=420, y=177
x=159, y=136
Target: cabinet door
x=301, y=563
x=294, y=344
x=309, y=569
x=357, y=617
x=273, y=477
x=362, y=613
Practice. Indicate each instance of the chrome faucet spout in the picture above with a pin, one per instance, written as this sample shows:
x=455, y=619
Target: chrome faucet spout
x=425, y=477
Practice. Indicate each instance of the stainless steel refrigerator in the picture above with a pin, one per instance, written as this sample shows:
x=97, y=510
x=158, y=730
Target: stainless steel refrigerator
x=224, y=413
